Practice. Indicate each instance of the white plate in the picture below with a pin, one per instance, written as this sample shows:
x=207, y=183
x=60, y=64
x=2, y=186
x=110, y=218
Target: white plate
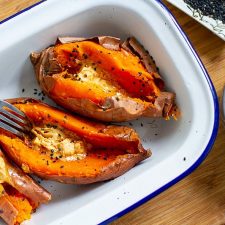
x=216, y=26
x=178, y=146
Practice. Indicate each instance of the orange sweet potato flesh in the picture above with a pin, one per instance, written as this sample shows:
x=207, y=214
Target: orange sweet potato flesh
x=115, y=149
x=7, y=211
x=15, y=208
x=20, y=195
x=123, y=66
x=101, y=80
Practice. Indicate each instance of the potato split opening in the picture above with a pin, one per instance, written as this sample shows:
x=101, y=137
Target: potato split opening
x=106, y=80
x=71, y=149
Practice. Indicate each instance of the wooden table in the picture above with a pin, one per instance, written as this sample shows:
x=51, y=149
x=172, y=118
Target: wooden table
x=199, y=199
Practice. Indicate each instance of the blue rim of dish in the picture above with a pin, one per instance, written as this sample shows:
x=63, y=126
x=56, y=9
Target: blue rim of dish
x=22, y=11
x=214, y=131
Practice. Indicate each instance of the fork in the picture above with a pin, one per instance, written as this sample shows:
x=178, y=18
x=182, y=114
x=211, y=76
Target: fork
x=12, y=119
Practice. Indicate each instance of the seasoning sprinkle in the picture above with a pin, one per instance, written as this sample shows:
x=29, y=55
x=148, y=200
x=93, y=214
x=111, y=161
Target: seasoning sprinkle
x=211, y=8
x=85, y=56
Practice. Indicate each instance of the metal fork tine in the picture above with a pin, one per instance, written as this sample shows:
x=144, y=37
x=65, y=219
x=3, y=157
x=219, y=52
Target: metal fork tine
x=10, y=129
x=16, y=125
x=11, y=115
x=13, y=120
x=13, y=108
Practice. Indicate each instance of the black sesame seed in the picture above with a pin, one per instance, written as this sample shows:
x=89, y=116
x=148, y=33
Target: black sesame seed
x=85, y=56
x=211, y=8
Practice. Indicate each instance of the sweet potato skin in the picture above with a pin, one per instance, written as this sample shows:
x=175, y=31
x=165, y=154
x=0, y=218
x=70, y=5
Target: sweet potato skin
x=7, y=211
x=90, y=102
x=117, y=148
x=25, y=186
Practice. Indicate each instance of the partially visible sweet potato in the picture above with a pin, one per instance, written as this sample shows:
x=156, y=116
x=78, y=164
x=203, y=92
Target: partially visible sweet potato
x=103, y=78
x=19, y=194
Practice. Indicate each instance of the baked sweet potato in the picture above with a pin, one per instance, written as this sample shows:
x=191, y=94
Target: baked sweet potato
x=19, y=194
x=69, y=149
x=103, y=78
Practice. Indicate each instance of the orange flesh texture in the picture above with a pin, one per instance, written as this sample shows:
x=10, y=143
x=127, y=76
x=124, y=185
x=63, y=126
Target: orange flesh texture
x=124, y=67
x=21, y=204
x=90, y=165
x=90, y=131
x=65, y=88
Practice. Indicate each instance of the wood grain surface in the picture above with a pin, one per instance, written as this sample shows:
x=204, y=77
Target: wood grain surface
x=199, y=199
x=10, y=7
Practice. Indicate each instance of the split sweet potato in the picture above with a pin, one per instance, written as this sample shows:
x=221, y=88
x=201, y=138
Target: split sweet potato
x=70, y=149
x=19, y=194
x=103, y=78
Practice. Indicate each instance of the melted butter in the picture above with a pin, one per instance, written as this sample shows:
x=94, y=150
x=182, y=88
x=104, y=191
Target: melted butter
x=99, y=78
x=59, y=142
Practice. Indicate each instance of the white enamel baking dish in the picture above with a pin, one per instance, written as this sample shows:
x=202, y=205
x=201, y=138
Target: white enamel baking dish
x=178, y=146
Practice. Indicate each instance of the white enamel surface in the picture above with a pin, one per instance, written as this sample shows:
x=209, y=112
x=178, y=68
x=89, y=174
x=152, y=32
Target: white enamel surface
x=170, y=141
x=216, y=26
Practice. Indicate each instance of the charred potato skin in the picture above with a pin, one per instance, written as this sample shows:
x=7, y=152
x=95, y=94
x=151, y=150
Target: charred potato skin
x=47, y=70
